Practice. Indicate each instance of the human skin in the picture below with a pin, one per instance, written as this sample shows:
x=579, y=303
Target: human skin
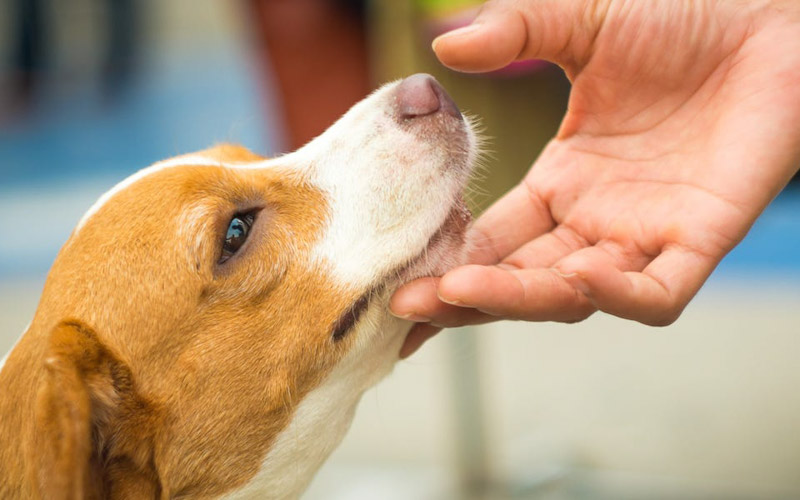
x=682, y=125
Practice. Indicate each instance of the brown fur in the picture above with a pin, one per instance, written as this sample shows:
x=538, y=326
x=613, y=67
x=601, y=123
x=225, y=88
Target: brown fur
x=150, y=371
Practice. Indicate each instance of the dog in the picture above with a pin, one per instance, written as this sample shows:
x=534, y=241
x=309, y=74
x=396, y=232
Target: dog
x=209, y=326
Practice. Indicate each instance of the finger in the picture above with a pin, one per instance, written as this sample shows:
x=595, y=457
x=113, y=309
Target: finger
x=605, y=254
x=518, y=217
x=492, y=41
x=656, y=296
x=505, y=31
x=413, y=300
x=526, y=294
x=547, y=249
x=418, y=335
x=418, y=301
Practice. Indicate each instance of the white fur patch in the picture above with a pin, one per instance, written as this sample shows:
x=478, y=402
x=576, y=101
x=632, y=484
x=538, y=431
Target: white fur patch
x=388, y=190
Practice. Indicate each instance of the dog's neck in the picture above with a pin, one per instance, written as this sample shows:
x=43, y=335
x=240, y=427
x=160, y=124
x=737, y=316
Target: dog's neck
x=321, y=420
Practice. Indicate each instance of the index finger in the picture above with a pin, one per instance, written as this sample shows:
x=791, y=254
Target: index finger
x=523, y=294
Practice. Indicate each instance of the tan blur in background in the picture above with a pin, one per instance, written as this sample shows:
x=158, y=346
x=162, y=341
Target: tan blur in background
x=606, y=409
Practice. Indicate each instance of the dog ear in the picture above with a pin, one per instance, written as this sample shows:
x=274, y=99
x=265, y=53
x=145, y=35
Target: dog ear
x=85, y=404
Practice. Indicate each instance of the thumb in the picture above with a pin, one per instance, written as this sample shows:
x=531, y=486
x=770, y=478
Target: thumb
x=560, y=31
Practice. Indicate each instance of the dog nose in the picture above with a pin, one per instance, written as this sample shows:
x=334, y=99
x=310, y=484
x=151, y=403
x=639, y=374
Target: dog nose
x=421, y=95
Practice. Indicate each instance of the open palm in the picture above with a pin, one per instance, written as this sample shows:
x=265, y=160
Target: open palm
x=682, y=125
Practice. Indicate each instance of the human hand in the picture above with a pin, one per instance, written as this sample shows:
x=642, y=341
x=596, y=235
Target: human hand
x=682, y=125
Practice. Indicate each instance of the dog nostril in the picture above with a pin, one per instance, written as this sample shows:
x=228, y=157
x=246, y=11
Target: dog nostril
x=421, y=95
x=416, y=96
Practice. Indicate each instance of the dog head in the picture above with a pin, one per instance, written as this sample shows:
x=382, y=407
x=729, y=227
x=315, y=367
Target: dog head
x=211, y=323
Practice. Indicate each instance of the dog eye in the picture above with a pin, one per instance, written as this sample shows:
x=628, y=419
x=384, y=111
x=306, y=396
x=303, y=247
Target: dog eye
x=236, y=235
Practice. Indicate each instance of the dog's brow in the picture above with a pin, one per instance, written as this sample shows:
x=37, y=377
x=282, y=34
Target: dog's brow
x=195, y=160
x=192, y=228
x=141, y=174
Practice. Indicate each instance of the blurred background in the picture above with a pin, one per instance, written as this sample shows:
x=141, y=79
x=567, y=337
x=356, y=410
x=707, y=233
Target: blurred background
x=93, y=90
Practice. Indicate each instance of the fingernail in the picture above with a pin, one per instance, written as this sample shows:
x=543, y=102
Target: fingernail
x=454, y=302
x=464, y=30
x=563, y=274
x=574, y=279
x=411, y=317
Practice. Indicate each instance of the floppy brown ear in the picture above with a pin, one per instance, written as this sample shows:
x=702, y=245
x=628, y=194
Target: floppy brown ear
x=85, y=404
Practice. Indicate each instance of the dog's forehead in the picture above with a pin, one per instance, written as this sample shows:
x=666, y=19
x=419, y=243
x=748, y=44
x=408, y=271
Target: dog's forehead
x=222, y=160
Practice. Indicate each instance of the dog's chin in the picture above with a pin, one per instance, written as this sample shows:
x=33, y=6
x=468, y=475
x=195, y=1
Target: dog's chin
x=446, y=248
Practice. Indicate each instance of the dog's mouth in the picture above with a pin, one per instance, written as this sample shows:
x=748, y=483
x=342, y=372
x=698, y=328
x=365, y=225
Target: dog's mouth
x=445, y=248
x=423, y=108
